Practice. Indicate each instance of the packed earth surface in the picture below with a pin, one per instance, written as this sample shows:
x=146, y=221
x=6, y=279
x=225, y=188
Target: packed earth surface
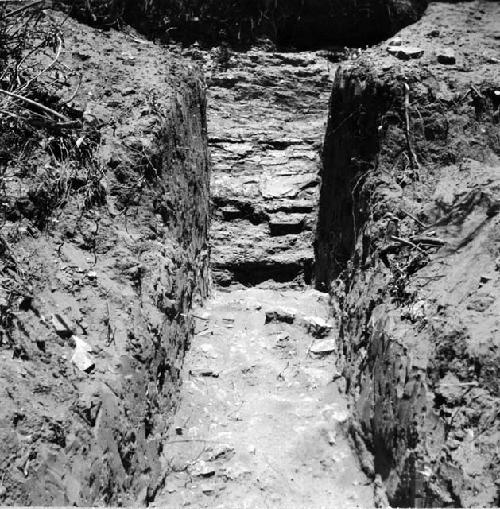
x=262, y=423
x=257, y=278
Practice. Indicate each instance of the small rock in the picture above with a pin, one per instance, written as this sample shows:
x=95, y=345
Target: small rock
x=283, y=339
x=229, y=213
x=416, y=311
x=405, y=52
x=317, y=327
x=396, y=41
x=450, y=389
x=325, y=347
x=204, y=372
x=446, y=56
x=485, y=278
x=280, y=315
x=81, y=357
x=207, y=489
x=481, y=302
x=220, y=451
x=201, y=469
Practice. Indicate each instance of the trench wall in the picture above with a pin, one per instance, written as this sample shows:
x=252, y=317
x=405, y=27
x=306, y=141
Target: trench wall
x=407, y=240
x=118, y=264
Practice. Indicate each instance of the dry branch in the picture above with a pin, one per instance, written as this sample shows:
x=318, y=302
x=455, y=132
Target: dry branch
x=407, y=242
x=35, y=105
x=431, y=241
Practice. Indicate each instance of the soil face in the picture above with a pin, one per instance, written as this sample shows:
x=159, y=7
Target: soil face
x=414, y=242
x=100, y=263
x=267, y=115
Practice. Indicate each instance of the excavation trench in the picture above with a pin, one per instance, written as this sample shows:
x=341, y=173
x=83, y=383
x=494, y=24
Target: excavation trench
x=261, y=419
x=275, y=385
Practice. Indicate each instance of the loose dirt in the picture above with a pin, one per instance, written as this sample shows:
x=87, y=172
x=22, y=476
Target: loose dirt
x=261, y=421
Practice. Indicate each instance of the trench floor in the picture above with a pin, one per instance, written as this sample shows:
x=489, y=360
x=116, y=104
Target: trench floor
x=262, y=423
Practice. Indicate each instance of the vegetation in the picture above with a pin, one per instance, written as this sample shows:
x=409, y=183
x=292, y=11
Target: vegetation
x=242, y=22
x=42, y=139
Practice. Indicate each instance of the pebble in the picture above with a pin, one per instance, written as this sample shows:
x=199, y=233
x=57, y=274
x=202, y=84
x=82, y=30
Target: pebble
x=396, y=41
x=280, y=315
x=405, y=52
x=325, y=347
x=446, y=56
x=81, y=357
x=204, y=372
x=317, y=327
x=201, y=469
x=207, y=489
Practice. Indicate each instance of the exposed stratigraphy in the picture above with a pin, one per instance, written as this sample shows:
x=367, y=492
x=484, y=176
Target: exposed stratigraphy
x=95, y=302
x=408, y=241
x=266, y=121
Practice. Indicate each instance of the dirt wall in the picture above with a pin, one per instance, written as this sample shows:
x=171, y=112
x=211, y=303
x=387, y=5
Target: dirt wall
x=408, y=243
x=96, y=297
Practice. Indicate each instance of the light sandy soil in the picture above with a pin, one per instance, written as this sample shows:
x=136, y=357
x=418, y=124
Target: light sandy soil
x=261, y=423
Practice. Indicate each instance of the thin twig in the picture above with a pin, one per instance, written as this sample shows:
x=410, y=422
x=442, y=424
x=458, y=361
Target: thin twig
x=411, y=152
x=47, y=69
x=411, y=216
x=13, y=115
x=407, y=242
x=34, y=104
x=21, y=9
